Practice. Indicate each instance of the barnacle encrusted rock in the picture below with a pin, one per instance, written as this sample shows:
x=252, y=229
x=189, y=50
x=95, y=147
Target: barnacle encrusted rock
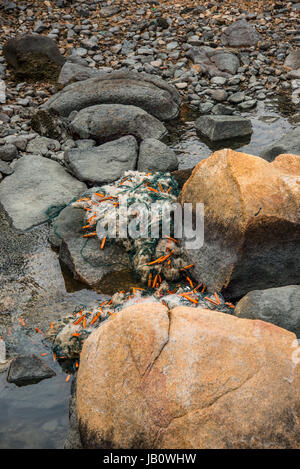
x=251, y=221
x=188, y=378
x=148, y=92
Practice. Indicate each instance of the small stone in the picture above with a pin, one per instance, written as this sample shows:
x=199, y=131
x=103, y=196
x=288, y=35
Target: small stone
x=8, y=152
x=28, y=369
x=219, y=95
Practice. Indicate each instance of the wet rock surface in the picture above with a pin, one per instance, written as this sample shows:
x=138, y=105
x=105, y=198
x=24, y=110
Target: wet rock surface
x=289, y=143
x=28, y=369
x=223, y=127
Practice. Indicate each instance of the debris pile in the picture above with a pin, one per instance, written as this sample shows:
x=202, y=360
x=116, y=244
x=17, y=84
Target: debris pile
x=131, y=212
x=69, y=333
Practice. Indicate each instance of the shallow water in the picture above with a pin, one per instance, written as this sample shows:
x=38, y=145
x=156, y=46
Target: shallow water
x=34, y=287
x=270, y=121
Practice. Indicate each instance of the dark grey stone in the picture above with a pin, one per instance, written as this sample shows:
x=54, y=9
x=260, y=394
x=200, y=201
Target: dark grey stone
x=28, y=369
x=240, y=34
x=8, y=152
x=279, y=306
x=108, y=121
x=215, y=62
x=289, y=143
x=105, y=163
x=120, y=87
x=217, y=128
x=156, y=156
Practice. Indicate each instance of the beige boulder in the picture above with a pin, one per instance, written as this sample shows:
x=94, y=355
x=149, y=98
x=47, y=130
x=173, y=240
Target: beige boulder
x=188, y=378
x=251, y=221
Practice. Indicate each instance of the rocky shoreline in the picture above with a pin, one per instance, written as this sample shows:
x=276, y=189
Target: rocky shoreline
x=88, y=96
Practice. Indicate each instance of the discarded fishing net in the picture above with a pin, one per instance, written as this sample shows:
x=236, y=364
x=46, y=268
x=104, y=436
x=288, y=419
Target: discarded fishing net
x=69, y=334
x=144, y=202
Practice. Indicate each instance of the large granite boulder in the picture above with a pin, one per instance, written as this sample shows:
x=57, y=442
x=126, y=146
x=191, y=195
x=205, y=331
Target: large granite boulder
x=131, y=88
x=280, y=306
x=217, y=128
x=240, y=34
x=33, y=57
x=105, y=163
x=187, y=379
x=289, y=143
x=156, y=156
x=109, y=121
x=251, y=221
x=38, y=189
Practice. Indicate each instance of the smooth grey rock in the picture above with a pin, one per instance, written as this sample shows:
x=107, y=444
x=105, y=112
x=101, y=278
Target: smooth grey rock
x=279, y=306
x=28, y=369
x=38, y=189
x=138, y=89
x=289, y=143
x=20, y=141
x=215, y=62
x=42, y=146
x=75, y=72
x=105, y=163
x=89, y=264
x=108, y=121
x=246, y=105
x=69, y=221
x=293, y=60
x=156, y=156
x=8, y=152
x=240, y=34
x=237, y=98
x=219, y=95
x=5, y=168
x=217, y=128
x=221, y=109
x=33, y=56
x=204, y=108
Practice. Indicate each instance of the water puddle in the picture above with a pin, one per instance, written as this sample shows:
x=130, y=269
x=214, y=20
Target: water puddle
x=270, y=121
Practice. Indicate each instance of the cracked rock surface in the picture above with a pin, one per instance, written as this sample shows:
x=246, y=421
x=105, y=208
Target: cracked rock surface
x=180, y=378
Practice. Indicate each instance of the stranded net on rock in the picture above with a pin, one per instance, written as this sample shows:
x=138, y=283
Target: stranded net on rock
x=159, y=261
x=132, y=212
x=69, y=334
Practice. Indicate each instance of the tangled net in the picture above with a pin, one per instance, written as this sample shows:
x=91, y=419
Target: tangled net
x=153, y=258
x=69, y=333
